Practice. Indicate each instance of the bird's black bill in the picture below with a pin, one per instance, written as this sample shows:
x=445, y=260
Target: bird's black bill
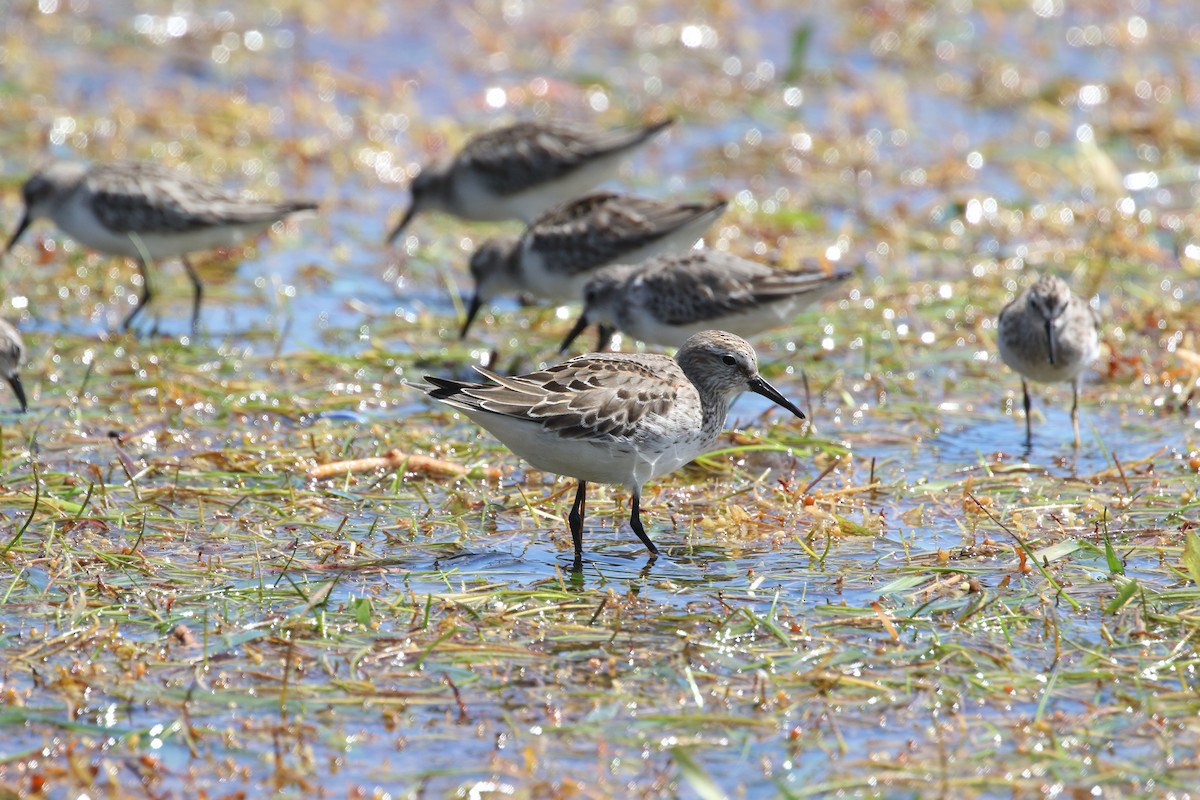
x=605, y=337
x=399, y=229
x=472, y=310
x=25, y=220
x=1050, y=339
x=15, y=382
x=760, y=386
x=576, y=329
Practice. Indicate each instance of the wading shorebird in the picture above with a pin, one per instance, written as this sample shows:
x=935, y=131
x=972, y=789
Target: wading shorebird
x=616, y=418
x=559, y=252
x=522, y=170
x=146, y=212
x=1049, y=335
x=665, y=300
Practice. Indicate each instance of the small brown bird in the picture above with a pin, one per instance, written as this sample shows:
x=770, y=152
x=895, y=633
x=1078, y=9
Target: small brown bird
x=617, y=418
x=523, y=170
x=146, y=212
x=1049, y=335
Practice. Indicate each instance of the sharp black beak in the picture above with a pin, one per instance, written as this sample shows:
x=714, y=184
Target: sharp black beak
x=1050, y=339
x=472, y=309
x=760, y=386
x=15, y=382
x=605, y=337
x=576, y=329
x=25, y=220
x=408, y=215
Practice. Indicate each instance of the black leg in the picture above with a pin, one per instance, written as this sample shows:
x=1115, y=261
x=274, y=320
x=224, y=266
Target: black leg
x=606, y=334
x=1075, y=411
x=14, y=381
x=635, y=522
x=575, y=520
x=1028, y=415
x=143, y=296
x=197, y=293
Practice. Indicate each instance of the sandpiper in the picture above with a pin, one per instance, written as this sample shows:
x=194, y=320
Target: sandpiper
x=556, y=255
x=615, y=418
x=666, y=299
x=145, y=212
x=522, y=170
x=12, y=356
x=1049, y=335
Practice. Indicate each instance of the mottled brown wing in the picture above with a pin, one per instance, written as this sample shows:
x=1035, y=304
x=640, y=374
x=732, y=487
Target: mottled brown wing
x=684, y=289
x=603, y=228
x=145, y=197
x=709, y=285
x=12, y=346
x=585, y=398
x=1010, y=306
x=12, y=353
x=513, y=159
x=780, y=285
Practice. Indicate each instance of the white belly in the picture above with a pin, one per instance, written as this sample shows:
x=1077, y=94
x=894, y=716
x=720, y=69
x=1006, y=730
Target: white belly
x=546, y=276
x=539, y=277
x=645, y=327
x=1031, y=358
x=1040, y=370
x=679, y=241
x=76, y=220
x=476, y=201
x=663, y=446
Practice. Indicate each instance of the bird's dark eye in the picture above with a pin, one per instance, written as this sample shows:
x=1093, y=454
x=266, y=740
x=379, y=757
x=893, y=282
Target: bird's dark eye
x=729, y=360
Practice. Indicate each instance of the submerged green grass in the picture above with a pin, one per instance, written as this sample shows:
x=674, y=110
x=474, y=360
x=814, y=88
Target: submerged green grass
x=179, y=593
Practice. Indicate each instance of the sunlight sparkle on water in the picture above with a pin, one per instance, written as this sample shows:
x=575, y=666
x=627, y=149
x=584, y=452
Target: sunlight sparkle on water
x=693, y=36
x=496, y=97
x=1138, y=181
x=1093, y=94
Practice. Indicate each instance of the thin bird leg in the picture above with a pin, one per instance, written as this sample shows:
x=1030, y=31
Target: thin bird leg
x=1028, y=415
x=197, y=292
x=15, y=382
x=635, y=522
x=1075, y=411
x=605, y=337
x=143, y=295
x=575, y=520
